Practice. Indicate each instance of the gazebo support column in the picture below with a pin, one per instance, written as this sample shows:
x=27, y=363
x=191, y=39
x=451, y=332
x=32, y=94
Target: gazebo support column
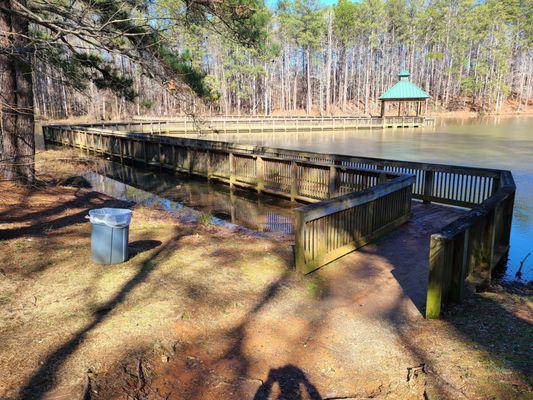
x=382, y=108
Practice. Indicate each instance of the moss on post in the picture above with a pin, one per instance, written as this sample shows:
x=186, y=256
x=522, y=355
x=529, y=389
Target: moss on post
x=437, y=265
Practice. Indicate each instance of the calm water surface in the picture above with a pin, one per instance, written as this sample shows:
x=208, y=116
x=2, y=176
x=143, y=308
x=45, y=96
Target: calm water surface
x=505, y=143
x=193, y=198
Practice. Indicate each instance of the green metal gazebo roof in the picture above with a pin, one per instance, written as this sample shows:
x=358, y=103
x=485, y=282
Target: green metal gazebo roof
x=404, y=90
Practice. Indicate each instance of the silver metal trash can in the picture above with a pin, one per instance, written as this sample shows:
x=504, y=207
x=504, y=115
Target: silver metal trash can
x=109, y=236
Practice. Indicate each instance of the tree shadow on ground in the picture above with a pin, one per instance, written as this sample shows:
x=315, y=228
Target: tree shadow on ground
x=480, y=322
x=43, y=224
x=43, y=379
x=140, y=246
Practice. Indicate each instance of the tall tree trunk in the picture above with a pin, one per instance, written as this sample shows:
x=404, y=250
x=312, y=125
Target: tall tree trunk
x=17, y=141
x=309, y=104
x=329, y=61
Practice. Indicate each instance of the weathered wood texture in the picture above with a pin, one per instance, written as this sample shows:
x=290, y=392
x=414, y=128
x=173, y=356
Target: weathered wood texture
x=465, y=250
x=332, y=228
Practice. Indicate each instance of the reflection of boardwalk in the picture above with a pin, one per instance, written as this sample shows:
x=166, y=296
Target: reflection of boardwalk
x=279, y=223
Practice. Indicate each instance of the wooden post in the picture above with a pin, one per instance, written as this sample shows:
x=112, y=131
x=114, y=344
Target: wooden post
x=294, y=180
x=437, y=265
x=160, y=153
x=299, y=248
x=459, y=266
x=145, y=153
x=428, y=186
x=231, y=170
x=382, y=108
x=507, y=220
x=333, y=187
x=121, y=149
x=174, y=157
x=189, y=161
x=260, y=168
x=487, y=250
x=208, y=165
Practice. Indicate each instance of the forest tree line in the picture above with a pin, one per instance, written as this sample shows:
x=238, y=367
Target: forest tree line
x=468, y=54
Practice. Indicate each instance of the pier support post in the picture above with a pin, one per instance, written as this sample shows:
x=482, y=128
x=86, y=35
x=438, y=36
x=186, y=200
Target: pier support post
x=145, y=153
x=208, y=165
x=189, y=161
x=260, y=168
x=121, y=149
x=231, y=170
x=160, y=154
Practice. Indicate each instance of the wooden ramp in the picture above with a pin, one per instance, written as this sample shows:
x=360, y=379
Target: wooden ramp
x=394, y=266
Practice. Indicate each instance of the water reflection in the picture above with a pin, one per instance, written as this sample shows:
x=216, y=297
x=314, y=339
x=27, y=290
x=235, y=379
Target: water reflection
x=491, y=142
x=193, y=197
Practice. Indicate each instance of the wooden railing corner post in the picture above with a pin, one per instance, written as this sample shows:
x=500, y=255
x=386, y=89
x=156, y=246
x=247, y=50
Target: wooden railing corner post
x=508, y=219
x=437, y=265
x=299, y=248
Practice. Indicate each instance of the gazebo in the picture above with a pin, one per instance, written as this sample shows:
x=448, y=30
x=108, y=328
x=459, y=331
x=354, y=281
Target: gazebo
x=404, y=91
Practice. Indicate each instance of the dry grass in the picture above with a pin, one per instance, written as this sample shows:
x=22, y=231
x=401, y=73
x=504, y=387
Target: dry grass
x=202, y=312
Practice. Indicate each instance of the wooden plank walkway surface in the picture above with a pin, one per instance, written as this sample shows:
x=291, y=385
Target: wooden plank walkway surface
x=395, y=266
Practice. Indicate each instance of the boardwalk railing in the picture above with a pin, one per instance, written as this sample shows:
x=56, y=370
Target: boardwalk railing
x=236, y=165
x=468, y=249
x=256, y=124
x=332, y=228
x=464, y=251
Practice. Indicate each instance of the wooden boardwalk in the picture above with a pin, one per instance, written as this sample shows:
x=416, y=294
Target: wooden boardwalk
x=355, y=200
x=260, y=124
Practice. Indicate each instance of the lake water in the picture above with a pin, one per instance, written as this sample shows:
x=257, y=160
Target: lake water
x=193, y=198
x=505, y=143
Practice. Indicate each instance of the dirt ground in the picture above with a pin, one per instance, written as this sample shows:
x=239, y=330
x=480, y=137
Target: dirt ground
x=205, y=312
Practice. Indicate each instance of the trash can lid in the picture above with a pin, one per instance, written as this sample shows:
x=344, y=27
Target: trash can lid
x=112, y=217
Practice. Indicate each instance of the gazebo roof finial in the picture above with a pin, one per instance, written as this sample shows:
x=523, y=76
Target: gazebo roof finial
x=404, y=73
